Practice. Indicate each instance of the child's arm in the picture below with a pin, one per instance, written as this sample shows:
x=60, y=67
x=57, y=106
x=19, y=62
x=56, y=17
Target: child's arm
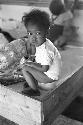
x=37, y=66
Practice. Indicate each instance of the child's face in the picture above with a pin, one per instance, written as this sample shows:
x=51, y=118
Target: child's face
x=35, y=34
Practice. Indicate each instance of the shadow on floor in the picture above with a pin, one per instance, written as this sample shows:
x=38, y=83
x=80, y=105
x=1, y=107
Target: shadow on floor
x=75, y=109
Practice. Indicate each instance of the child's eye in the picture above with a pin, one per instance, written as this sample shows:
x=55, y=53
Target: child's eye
x=38, y=33
x=28, y=33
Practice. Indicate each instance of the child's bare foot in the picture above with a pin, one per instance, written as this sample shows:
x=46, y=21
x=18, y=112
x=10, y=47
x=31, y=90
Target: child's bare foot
x=31, y=92
x=25, y=85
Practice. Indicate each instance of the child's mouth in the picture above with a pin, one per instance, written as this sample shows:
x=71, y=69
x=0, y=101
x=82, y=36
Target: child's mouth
x=35, y=42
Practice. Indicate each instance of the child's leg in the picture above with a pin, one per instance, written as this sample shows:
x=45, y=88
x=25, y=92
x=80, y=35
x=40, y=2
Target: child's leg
x=39, y=76
x=32, y=82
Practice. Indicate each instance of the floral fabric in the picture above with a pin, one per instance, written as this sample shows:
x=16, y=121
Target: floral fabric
x=11, y=54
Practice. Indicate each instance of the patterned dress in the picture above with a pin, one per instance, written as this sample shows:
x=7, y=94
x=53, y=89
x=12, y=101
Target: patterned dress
x=10, y=56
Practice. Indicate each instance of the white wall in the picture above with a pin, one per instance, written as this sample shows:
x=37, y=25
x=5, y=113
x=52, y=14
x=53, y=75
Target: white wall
x=11, y=15
x=14, y=12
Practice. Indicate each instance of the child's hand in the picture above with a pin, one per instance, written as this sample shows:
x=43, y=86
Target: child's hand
x=22, y=62
x=32, y=58
x=28, y=63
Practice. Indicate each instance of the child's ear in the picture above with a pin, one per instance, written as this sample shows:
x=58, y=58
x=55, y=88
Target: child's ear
x=47, y=32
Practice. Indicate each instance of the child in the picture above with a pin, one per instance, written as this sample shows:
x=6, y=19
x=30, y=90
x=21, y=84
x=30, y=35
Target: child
x=39, y=59
x=61, y=17
x=46, y=67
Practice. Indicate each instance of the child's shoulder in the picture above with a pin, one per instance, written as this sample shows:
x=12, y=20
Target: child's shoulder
x=50, y=45
x=51, y=48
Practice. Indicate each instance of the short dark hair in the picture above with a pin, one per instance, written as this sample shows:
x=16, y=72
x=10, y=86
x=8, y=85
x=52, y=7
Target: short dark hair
x=38, y=17
x=56, y=7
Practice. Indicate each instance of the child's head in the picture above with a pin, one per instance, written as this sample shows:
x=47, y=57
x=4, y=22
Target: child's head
x=37, y=24
x=57, y=7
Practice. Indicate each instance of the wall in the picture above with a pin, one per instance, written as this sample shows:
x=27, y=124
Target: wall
x=10, y=18
x=78, y=21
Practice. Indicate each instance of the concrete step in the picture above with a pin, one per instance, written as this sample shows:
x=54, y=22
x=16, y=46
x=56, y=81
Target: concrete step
x=63, y=120
x=60, y=120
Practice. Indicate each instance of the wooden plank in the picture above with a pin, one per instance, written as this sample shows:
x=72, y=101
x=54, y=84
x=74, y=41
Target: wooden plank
x=58, y=100
x=18, y=108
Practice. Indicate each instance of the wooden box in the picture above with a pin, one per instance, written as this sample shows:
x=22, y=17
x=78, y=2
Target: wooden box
x=44, y=109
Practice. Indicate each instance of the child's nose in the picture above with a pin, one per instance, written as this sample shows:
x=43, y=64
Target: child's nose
x=34, y=36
